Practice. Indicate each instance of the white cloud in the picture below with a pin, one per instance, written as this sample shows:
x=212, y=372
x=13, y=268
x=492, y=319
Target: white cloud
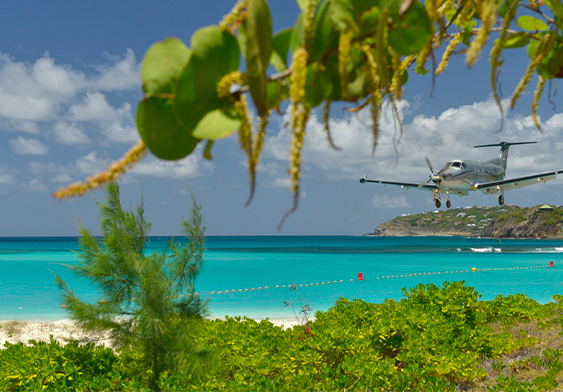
x=119, y=132
x=24, y=146
x=69, y=133
x=37, y=185
x=450, y=135
x=122, y=75
x=65, y=178
x=91, y=163
x=5, y=176
x=389, y=202
x=191, y=166
x=32, y=94
x=23, y=126
x=94, y=107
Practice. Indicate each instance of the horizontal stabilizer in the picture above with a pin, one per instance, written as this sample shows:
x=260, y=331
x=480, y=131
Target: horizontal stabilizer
x=503, y=144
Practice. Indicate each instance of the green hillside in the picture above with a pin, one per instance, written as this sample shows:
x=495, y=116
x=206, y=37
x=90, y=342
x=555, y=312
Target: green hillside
x=496, y=221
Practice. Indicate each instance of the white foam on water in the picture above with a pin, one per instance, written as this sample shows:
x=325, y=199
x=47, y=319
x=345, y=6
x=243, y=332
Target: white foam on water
x=482, y=250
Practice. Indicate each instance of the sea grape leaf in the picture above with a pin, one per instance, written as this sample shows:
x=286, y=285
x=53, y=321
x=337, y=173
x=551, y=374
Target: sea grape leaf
x=504, y=5
x=326, y=35
x=554, y=60
x=296, y=40
x=162, y=66
x=411, y=31
x=517, y=40
x=531, y=50
x=215, y=53
x=216, y=124
x=530, y=23
x=241, y=38
x=557, y=8
x=280, y=47
x=348, y=13
x=258, y=51
x=160, y=130
x=276, y=92
x=314, y=88
x=369, y=19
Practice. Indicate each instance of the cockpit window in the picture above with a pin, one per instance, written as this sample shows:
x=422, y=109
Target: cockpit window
x=464, y=166
x=456, y=164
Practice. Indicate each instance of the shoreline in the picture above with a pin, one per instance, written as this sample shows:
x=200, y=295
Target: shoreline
x=64, y=330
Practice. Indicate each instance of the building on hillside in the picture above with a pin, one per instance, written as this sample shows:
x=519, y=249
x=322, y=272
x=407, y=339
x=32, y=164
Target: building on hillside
x=546, y=208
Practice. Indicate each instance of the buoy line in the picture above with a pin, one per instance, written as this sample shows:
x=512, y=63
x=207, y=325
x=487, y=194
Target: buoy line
x=361, y=278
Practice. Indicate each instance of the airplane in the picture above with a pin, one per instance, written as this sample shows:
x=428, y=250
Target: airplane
x=460, y=176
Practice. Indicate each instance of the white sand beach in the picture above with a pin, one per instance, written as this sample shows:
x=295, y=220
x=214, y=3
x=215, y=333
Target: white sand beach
x=16, y=331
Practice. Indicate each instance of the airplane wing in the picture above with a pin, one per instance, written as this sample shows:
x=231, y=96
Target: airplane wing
x=426, y=187
x=515, y=183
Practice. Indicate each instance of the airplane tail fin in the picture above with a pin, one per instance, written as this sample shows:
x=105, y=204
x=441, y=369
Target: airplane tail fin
x=503, y=156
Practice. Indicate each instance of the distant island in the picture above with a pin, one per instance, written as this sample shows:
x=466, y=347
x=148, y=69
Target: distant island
x=509, y=221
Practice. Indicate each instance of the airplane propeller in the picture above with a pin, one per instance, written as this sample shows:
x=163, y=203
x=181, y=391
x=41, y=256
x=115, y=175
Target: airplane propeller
x=433, y=177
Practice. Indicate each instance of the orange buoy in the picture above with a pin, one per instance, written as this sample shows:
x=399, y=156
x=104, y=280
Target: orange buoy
x=360, y=276
x=551, y=263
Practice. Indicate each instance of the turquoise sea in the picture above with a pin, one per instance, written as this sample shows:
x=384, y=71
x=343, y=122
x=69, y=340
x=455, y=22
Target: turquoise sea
x=27, y=267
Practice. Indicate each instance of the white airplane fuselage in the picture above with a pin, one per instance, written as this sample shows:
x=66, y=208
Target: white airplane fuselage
x=461, y=175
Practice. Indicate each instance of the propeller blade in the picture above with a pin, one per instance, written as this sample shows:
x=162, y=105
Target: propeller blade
x=429, y=164
x=424, y=183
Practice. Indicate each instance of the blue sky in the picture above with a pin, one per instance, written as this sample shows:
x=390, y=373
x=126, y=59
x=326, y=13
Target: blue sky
x=69, y=88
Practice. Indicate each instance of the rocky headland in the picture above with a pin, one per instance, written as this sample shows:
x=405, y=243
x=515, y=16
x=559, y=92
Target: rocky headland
x=545, y=222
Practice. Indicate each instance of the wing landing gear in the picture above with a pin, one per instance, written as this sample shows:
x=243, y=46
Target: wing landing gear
x=500, y=200
x=448, y=203
x=438, y=203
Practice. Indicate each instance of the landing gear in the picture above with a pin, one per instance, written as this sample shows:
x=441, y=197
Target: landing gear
x=500, y=200
x=439, y=203
x=448, y=203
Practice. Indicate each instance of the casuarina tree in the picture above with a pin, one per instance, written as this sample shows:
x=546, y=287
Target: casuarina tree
x=147, y=301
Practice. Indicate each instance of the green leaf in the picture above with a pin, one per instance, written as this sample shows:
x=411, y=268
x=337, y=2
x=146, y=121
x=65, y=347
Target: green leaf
x=162, y=66
x=160, y=130
x=411, y=31
x=280, y=47
x=504, y=5
x=215, y=53
x=530, y=23
x=348, y=13
x=326, y=36
x=258, y=51
x=241, y=38
x=216, y=124
x=369, y=19
x=297, y=36
x=517, y=40
x=275, y=93
x=557, y=9
x=314, y=88
x=554, y=60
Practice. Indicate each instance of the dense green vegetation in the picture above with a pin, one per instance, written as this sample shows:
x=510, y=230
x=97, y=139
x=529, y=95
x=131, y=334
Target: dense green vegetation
x=435, y=338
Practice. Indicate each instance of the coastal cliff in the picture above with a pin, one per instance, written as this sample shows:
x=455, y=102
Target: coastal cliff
x=509, y=221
